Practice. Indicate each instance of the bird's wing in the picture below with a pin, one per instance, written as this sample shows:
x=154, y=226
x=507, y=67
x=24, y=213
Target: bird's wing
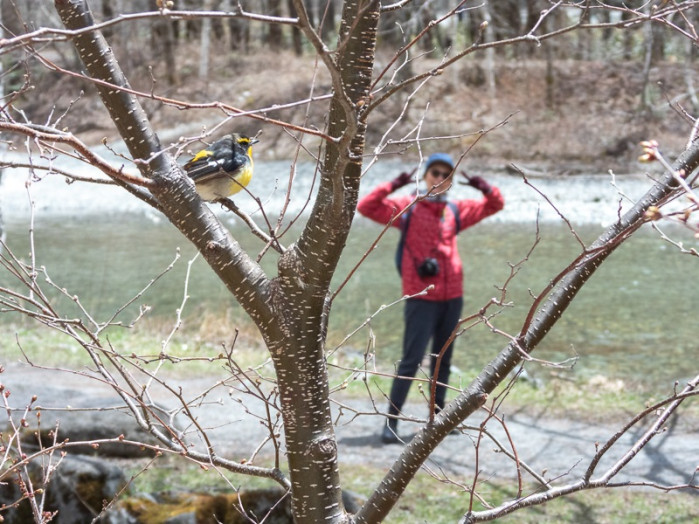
x=204, y=163
x=211, y=161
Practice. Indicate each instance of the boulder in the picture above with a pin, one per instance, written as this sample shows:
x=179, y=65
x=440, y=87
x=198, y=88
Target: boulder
x=77, y=490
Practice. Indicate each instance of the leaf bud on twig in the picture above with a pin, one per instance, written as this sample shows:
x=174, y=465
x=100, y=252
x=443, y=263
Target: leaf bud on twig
x=653, y=213
x=650, y=151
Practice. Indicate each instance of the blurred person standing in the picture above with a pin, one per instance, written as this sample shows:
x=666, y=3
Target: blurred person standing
x=427, y=255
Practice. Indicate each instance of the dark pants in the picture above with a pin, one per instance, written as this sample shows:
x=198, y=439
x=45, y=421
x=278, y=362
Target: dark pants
x=425, y=320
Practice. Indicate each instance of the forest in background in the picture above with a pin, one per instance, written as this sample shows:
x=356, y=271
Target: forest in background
x=605, y=90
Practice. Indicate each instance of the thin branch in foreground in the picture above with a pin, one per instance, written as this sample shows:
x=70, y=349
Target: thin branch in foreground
x=254, y=228
x=52, y=135
x=669, y=407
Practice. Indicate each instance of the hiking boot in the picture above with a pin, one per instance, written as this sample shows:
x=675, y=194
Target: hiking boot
x=389, y=434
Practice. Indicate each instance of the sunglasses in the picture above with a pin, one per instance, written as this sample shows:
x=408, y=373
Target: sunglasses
x=438, y=173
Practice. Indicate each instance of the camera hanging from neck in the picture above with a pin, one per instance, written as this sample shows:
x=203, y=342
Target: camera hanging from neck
x=429, y=266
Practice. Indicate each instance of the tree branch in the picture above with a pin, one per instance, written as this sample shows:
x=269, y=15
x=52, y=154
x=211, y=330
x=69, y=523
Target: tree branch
x=171, y=187
x=52, y=135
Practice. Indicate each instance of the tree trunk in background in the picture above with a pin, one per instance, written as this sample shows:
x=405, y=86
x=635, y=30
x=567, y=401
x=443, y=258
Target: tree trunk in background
x=690, y=71
x=607, y=34
x=296, y=36
x=311, y=12
x=490, y=52
x=326, y=15
x=505, y=19
x=274, y=35
x=163, y=42
x=240, y=34
x=423, y=17
x=645, y=90
x=205, y=43
x=658, y=44
x=11, y=23
x=550, y=54
x=107, y=14
x=627, y=38
x=473, y=23
x=435, y=40
x=226, y=36
x=393, y=27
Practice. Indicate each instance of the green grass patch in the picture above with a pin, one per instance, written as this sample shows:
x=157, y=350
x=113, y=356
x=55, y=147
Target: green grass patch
x=205, y=347
x=431, y=500
x=150, y=344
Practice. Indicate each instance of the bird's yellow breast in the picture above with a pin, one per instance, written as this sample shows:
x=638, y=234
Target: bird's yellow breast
x=241, y=180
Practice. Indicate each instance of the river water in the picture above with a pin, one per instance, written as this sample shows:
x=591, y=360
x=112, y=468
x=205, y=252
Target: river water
x=634, y=320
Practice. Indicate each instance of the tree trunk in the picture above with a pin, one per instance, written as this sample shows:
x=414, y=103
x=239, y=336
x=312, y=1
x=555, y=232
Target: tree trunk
x=327, y=19
x=645, y=101
x=163, y=41
x=107, y=14
x=658, y=45
x=393, y=27
x=550, y=78
x=505, y=16
x=226, y=36
x=296, y=36
x=489, y=53
x=689, y=72
x=300, y=293
x=627, y=38
x=240, y=34
x=291, y=310
x=205, y=43
x=274, y=35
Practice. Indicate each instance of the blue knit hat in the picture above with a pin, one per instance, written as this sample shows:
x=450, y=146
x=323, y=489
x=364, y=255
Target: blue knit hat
x=439, y=158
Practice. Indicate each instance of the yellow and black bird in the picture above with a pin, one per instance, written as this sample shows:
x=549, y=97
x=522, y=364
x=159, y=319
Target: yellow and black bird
x=223, y=169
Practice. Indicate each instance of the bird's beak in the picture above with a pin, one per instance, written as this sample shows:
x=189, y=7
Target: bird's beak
x=253, y=141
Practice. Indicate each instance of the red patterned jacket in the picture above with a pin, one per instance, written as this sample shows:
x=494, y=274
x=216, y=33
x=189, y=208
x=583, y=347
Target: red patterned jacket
x=431, y=233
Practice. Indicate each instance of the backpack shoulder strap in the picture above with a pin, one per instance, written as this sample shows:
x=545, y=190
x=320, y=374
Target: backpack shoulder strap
x=404, y=223
x=405, y=220
x=455, y=209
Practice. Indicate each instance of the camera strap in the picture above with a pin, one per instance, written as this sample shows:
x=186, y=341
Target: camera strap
x=405, y=222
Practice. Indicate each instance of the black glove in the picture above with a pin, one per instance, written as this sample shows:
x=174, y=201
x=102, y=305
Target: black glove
x=401, y=180
x=478, y=182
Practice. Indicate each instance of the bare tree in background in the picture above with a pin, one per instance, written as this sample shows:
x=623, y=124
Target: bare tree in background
x=292, y=307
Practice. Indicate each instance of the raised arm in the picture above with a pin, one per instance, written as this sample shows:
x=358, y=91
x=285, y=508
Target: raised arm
x=378, y=207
